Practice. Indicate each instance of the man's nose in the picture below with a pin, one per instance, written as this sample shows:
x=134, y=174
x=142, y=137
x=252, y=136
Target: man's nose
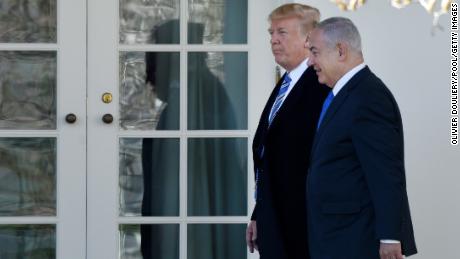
x=274, y=39
x=310, y=61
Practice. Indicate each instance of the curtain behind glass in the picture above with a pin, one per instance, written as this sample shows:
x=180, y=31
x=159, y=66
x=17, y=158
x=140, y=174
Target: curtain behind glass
x=209, y=100
x=216, y=241
x=217, y=177
x=217, y=162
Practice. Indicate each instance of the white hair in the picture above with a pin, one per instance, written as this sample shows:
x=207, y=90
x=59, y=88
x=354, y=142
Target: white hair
x=340, y=29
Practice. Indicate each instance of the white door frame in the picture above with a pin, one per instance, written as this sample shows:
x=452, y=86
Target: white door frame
x=71, y=191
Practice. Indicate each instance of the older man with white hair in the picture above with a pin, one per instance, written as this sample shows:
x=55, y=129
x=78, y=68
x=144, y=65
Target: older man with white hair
x=356, y=187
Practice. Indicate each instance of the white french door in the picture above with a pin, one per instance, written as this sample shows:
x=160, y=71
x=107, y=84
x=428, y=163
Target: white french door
x=42, y=156
x=166, y=95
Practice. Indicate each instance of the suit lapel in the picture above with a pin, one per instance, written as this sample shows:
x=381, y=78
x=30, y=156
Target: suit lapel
x=338, y=101
x=293, y=96
x=262, y=128
x=269, y=104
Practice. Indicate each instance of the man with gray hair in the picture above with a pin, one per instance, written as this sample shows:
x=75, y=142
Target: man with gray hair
x=356, y=187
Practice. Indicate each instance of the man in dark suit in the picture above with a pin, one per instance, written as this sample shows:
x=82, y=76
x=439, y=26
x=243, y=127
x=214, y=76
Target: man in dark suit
x=356, y=187
x=283, y=140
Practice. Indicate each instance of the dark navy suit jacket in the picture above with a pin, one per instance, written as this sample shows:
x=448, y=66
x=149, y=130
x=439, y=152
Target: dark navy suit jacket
x=280, y=207
x=356, y=186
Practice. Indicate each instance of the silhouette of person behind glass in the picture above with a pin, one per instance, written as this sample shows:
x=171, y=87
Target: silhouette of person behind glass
x=160, y=156
x=209, y=107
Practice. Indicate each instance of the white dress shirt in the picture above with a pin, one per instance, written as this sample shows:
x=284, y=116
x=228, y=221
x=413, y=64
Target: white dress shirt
x=345, y=78
x=295, y=75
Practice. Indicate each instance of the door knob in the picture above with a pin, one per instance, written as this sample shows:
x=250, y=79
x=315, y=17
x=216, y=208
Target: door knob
x=107, y=118
x=107, y=98
x=71, y=118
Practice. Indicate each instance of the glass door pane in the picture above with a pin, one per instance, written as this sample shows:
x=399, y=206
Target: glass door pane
x=209, y=241
x=28, y=177
x=149, y=177
x=217, y=177
x=148, y=22
x=217, y=91
x=149, y=90
x=30, y=21
x=156, y=241
x=217, y=21
x=27, y=241
x=28, y=89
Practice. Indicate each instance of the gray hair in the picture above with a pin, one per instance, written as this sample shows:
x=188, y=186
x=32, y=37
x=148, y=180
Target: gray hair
x=340, y=29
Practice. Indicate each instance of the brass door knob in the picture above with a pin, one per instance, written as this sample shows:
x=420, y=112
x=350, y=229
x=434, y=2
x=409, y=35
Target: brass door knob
x=107, y=98
x=71, y=118
x=107, y=118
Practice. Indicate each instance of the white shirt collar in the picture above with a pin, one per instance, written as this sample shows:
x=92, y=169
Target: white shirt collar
x=295, y=75
x=297, y=72
x=345, y=78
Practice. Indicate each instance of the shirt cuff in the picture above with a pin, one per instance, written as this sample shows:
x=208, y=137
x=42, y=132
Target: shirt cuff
x=389, y=241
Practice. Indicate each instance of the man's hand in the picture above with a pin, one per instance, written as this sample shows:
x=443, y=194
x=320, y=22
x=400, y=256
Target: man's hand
x=251, y=236
x=390, y=251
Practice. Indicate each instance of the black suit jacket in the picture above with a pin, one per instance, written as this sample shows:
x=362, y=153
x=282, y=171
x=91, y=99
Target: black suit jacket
x=356, y=187
x=280, y=206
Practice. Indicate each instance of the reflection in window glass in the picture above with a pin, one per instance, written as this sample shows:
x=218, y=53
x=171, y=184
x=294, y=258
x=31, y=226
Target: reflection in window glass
x=28, y=241
x=217, y=21
x=217, y=176
x=217, y=90
x=149, y=90
x=27, y=177
x=149, y=177
x=211, y=241
x=27, y=90
x=149, y=241
x=146, y=22
x=28, y=21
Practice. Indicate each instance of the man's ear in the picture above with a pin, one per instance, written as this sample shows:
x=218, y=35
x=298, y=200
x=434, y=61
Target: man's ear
x=342, y=48
x=307, y=38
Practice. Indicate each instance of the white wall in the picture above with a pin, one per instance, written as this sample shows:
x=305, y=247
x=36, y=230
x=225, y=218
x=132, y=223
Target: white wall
x=415, y=65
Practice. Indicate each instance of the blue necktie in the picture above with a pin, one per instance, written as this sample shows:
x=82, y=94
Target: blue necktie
x=279, y=98
x=326, y=104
